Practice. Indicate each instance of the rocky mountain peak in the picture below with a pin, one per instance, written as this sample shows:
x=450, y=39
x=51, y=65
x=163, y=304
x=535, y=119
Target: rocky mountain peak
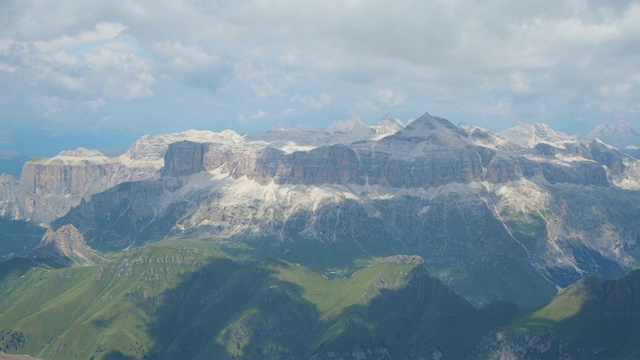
x=619, y=134
x=619, y=128
x=66, y=246
x=529, y=135
x=354, y=124
x=387, y=126
x=387, y=120
x=434, y=129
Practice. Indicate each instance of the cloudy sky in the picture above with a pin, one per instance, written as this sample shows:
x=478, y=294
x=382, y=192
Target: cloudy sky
x=167, y=65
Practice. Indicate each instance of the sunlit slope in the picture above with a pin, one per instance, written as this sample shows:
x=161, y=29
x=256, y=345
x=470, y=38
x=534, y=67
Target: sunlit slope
x=592, y=319
x=186, y=299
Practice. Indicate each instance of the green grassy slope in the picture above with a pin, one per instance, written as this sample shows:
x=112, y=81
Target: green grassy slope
x=187, y=299
x=592, y=319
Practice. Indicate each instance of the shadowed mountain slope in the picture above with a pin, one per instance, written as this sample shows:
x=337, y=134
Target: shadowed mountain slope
x=185, y=299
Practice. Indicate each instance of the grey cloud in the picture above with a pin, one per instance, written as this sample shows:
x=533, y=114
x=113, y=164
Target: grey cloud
x=59, y=80
x=494, y=58
x=195, y=66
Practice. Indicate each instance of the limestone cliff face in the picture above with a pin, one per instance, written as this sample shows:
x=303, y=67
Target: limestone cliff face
x=335, y=164
x=340, y=164
x=581, y=173
x=54, y=185
x=12, y=197
x=429, y=152
x=49, y=187
x=184, y=158
x=70, y=172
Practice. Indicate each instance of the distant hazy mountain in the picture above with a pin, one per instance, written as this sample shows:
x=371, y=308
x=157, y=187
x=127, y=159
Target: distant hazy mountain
x=619, y=134
x=42, y=143
x=529, y=135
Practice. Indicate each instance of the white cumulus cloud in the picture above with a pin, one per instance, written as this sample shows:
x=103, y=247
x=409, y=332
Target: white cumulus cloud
x=483, y=62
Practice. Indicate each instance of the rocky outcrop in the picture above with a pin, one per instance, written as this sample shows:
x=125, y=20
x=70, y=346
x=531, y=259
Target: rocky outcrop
x=13, y=202
x=335, y=164
x=66, y=246
x=340, y=164
x=429, y=152
x=402, y=259
x=186, y=158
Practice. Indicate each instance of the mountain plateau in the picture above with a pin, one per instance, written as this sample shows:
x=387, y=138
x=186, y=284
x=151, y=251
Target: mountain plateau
x=510, y=216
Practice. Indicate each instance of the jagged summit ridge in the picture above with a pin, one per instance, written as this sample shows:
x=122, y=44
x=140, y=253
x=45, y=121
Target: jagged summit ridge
x=387, y=126
x=529, y=135
x=351, y=125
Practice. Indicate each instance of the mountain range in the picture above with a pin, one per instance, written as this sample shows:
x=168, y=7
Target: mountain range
x=491, y=223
